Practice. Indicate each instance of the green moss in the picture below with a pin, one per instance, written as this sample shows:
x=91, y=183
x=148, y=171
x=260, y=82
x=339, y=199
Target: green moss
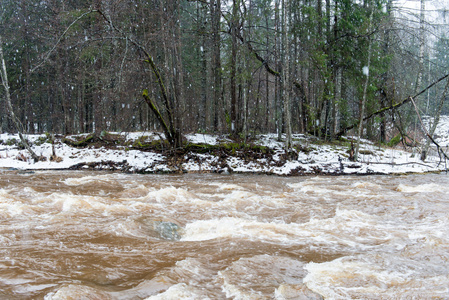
x=394, y=141
x=230, y=148
x=11, y=142
x=81, y=142
x=44, y=139
x=145, y=143
x=199, y=148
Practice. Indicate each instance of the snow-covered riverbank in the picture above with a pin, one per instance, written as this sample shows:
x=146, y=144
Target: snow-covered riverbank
x=310, y=157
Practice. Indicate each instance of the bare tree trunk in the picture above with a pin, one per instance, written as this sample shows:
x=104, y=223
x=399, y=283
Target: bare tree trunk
x=337, y=98
x=246, y=82
x=385, y=77
x=203, y=106
x=16, y=121
x=216, y=61
x=365, y=89
x=286, y=87
x=436, y=119
x=267, y=86
x=233, y=75
x=277, y=106
x=178, y=75
x=422, y=42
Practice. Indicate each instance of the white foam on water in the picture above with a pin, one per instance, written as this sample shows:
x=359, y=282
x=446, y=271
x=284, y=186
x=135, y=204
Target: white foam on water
x=6, y=196
x=192, y=266
x=14, y=281
x=254, y=277
x=144, y=289
x=32, y=288
x=179, y=291
x=309, y=187
x=12, y=205
x=9, y=210
x=226, y=186
x=241, y=200
x=7, y=241
x=295, y=291
x=67, y=202
x=170, y=194
x=422, y=188
x=229, y=227
x=366, y=185
x=75, y=181
x=337, y=188
x=126, y=228
x=132, y=192
x=75, y=291
x=172, y=199
x=371, y=275
x=348, y=229
x=190, y=279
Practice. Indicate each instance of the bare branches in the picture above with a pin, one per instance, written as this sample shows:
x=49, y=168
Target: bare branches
x=169, y=128
x=47, y=56
x=394, y=106
x=16, y=121
x=429, y=136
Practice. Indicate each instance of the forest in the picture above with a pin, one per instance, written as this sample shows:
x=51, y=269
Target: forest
x=237, y=67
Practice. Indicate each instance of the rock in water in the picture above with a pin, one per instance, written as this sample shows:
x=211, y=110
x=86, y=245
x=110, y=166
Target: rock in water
x=167, y=230
x=164, y=229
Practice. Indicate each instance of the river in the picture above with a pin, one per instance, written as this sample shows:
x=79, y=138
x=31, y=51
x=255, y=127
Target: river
x=98, y=235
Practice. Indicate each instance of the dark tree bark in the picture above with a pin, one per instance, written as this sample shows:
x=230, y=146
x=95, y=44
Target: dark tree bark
x=216, y=61
x=15, y=120
x=233, y=72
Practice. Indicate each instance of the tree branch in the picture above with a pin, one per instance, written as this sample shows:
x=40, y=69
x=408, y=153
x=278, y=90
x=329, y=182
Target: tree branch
x=394, y=106
x=158, y=115
x=59, y=40
x=15, y=120
x=157, y=73
x=427, y=133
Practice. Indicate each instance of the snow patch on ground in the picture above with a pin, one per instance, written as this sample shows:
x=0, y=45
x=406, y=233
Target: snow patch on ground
x=311, y=157
x=441, y=134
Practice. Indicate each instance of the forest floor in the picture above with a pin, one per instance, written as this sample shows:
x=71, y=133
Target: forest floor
x=146, y=152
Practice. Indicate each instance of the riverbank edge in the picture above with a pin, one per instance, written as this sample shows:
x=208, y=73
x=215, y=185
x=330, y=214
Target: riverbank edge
x=185, y=172
x=265, y=155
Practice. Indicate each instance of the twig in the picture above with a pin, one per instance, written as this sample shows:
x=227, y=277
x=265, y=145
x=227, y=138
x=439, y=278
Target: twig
x=59, y=40
x=440, y=151
x=394, y=106
x=395, y=164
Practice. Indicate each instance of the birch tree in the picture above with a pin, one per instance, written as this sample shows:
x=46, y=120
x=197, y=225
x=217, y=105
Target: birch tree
x=15, y=120
x=365, y=88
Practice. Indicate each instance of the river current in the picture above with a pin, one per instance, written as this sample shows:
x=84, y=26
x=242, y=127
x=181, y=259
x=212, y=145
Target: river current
x=96, y=235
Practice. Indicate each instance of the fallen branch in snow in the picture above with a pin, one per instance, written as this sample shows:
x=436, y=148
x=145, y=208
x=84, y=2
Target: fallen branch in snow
x=396, y=164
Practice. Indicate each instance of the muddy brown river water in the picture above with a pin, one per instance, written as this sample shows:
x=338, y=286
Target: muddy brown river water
x=96, y=235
